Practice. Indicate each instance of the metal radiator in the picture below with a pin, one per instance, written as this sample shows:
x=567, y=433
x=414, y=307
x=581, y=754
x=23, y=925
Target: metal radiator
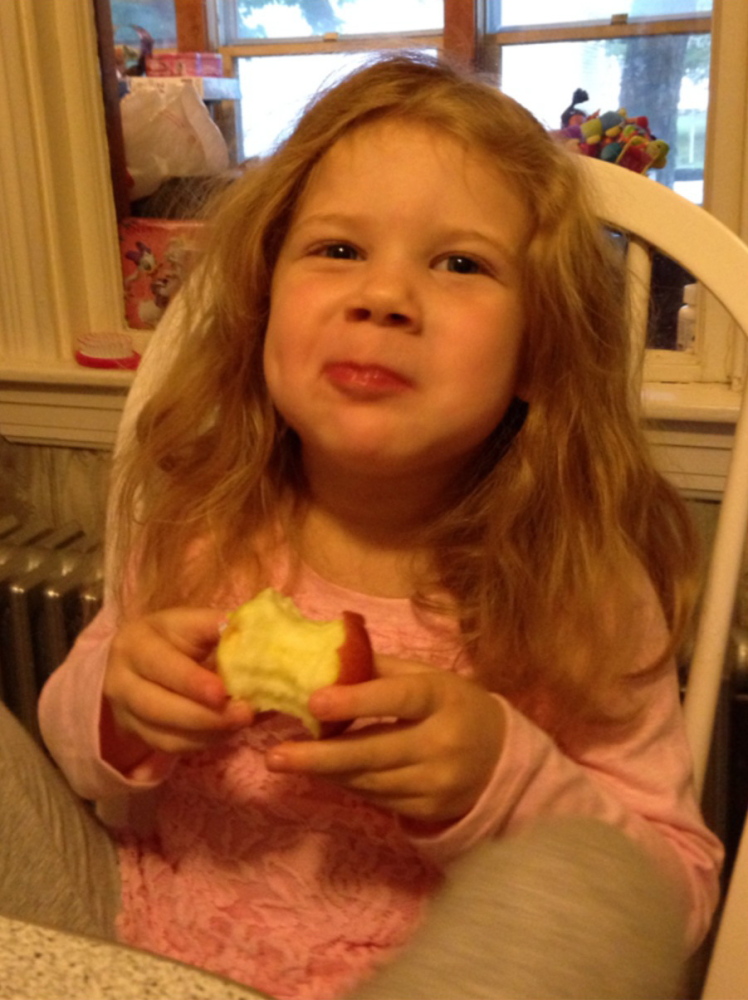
x=50, y=588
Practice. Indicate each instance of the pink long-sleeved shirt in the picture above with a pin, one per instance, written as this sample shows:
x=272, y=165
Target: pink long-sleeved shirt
x=299, y=888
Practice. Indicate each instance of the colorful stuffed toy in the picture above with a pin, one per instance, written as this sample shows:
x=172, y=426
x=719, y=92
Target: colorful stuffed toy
x=612, y=136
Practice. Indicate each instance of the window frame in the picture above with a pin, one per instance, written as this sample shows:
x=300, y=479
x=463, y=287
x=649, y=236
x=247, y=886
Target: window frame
x=714, y=342
x=320, y=45
x=233, y=48
x=60, y=271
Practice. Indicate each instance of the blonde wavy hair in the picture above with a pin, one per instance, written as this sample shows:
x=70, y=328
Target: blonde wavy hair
x=555, y=517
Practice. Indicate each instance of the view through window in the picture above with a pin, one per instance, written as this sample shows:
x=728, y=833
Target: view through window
x=303, y=18
x=157, y=17
x=278, y=58
x=650, y=57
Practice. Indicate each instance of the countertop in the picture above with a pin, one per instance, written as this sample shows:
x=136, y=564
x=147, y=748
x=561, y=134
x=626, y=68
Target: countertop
x=38, y=963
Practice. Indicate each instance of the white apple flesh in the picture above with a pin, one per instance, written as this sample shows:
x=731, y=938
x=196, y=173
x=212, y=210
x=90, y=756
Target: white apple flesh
x=275, y=658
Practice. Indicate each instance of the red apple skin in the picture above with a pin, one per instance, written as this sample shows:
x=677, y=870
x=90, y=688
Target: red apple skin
x=356, y=657
x=356, y=663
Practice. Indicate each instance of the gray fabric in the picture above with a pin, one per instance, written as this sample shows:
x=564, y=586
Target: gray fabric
x=58, y=865
x=570, y=910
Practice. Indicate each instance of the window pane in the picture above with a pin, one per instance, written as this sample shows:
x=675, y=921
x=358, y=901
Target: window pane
x=664, y=77
x=512, y=13
x=304, y=18
x=275, y=89
x=666, y=326
x=158, y=17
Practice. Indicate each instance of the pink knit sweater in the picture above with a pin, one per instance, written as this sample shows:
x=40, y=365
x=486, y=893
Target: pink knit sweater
x=298, y=888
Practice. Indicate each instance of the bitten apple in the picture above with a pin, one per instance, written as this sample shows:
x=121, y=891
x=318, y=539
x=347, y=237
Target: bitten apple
x=276, y=658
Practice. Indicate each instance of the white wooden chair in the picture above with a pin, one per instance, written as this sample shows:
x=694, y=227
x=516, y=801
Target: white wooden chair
x=654, y=217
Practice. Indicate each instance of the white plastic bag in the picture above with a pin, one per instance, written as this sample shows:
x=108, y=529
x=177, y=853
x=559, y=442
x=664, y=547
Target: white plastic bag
x=169, y=133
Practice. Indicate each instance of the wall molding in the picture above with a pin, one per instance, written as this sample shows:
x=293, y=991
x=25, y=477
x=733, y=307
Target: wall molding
x=62, y=404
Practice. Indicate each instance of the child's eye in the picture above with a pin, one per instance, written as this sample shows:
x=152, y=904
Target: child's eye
x=338, y=251
x=460, y=263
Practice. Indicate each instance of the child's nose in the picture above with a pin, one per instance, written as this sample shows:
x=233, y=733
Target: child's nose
x=387, y=297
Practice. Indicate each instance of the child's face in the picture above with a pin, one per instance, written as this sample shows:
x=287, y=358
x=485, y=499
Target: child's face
x=396, y=320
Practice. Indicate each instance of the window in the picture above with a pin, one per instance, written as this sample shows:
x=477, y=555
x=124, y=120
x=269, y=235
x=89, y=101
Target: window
x=285, y=51
x=157, y=17
x=247, y=19
x=650, y=57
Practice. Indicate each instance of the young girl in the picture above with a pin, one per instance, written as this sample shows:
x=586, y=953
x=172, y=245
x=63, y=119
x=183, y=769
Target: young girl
x=401, y=387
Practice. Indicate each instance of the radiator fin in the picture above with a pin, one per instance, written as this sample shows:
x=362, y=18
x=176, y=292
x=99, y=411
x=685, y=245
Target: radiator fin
x=50, y=588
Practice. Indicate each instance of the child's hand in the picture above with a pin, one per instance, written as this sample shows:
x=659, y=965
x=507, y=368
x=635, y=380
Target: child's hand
x=160, y=691
x=431, y=765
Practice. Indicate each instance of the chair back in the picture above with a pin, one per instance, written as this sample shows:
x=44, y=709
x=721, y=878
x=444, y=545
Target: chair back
x=653, y=217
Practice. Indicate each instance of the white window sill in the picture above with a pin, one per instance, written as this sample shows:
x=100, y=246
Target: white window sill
x=61, y=403
x=705, y=402
x=690, y=427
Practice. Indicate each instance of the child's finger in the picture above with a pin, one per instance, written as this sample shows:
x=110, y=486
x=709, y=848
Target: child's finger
x=194, y=631
x=177, y=740
x=155, y=705
x=182, y=676
x=381, y=770
x=163, y=649
x=376, y=749
x=405, y=696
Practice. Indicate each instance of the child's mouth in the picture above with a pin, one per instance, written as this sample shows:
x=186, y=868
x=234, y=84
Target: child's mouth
x=366, y=379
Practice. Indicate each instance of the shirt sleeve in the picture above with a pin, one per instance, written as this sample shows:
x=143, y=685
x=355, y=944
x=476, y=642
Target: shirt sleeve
x=638, y=779
x=70, y=712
